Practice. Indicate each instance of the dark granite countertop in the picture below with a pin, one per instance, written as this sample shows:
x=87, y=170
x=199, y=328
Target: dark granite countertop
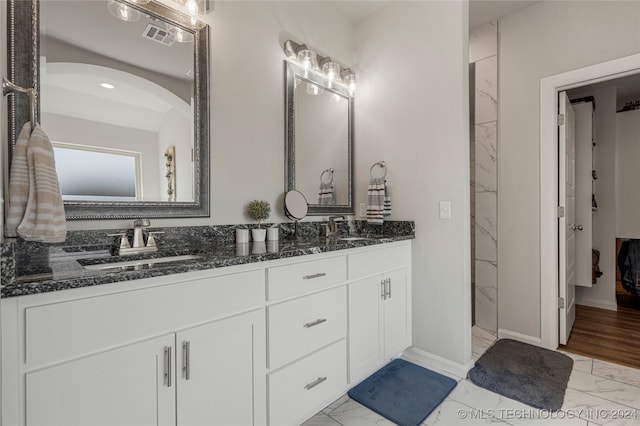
x=62, y=267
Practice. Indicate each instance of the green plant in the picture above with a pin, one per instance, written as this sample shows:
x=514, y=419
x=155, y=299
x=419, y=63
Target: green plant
x=259, y=210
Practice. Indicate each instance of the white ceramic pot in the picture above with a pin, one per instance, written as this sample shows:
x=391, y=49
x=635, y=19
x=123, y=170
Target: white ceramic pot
x=242, y=235
x=258, y=234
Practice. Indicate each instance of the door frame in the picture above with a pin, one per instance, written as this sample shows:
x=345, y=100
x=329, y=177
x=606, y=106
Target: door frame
x=549, y=89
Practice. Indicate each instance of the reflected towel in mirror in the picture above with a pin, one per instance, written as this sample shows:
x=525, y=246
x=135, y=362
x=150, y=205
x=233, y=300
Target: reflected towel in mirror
x=326, y=194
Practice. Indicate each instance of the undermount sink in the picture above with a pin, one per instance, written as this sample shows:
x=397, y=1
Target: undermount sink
x=141, y=262
x=354, y=238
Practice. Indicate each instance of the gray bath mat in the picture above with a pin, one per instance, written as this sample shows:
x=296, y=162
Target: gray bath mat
x=535, y=376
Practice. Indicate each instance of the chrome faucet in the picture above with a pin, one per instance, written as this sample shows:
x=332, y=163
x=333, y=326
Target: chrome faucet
x=331, y=229
x=138, y=244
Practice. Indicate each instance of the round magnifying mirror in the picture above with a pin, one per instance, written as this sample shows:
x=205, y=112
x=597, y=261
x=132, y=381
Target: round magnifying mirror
x=295, y=205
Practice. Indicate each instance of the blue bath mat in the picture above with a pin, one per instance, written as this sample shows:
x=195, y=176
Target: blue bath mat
x=403, y=392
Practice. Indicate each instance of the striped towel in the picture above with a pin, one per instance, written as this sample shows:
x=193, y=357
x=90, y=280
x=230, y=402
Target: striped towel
x=326, y=194
x=375, y=201
x=18, y=183
x=44, y=218
x=386, y=208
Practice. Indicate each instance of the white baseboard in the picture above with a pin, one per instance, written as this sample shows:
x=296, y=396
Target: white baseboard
x=436, y=362
x=602, y=304
x=524, y=338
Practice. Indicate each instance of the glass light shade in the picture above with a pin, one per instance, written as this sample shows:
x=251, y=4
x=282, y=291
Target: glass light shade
x=192, y=7
x=350, y=82
x=123, y=12
x=331, y=70
x=307, y=59
x=313, y=89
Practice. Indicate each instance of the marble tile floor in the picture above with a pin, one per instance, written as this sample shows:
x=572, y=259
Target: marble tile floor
x=598, y=393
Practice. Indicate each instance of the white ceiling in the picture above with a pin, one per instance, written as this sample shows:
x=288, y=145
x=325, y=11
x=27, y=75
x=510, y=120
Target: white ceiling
x=480, y=11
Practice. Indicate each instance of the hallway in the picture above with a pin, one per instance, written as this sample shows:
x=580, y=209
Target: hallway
x=606, y=335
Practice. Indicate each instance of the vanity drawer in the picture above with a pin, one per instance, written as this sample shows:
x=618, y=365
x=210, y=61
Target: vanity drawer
x=303, y=325
x=306, y=387
x=305, y=277
x=374, y=262
x=66, y=330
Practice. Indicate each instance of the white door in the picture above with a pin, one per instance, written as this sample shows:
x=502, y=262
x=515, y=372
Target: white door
x=125, y=386
x=396, y=320
x=366, y=346
x=221, y=377
x=584, y=188
x=566, y=223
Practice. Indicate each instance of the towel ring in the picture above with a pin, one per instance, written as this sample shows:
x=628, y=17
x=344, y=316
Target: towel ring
x=379, y=164
x=329, y=170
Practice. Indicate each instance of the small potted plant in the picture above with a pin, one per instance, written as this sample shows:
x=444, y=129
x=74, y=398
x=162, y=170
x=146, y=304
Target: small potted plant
x=259, y=210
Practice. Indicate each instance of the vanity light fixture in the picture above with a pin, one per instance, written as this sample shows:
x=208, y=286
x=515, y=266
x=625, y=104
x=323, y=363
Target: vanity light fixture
x=122, y=11
x=310, y=61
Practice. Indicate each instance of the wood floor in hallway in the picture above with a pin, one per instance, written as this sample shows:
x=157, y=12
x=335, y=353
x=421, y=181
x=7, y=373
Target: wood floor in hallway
x=606, y=335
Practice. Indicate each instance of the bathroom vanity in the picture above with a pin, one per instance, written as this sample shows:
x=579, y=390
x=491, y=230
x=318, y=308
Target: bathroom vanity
x=268, y=339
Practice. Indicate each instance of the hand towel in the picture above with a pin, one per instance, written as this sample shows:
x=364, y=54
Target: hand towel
x=18, y=183
x=375, y=201
x=326, y=194
x=386, y=209
x=44, y=218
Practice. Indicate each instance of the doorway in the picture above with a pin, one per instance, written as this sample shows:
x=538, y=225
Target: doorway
x=549, y=89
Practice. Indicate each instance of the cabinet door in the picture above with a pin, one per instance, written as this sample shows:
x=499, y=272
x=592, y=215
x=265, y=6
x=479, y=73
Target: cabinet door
x=124, y=386
x=221, y=377
x=397, y=313
x=366, y=350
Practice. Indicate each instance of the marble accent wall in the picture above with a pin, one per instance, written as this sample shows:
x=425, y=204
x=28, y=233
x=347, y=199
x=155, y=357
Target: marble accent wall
x=484, y=182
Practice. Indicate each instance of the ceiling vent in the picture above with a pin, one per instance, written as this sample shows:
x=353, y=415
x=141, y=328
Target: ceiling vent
x=159, y=35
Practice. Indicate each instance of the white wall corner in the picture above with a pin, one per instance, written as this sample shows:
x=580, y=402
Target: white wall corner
x=596, y=303
x=435, y=362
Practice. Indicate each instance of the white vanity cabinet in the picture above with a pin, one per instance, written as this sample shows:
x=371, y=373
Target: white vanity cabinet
x=187, y=349
x=379, y=308
x=268, y=343
x=307, y=331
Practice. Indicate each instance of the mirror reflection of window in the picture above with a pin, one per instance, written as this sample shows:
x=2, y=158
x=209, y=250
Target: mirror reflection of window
x=85, y=173
x=119, y=86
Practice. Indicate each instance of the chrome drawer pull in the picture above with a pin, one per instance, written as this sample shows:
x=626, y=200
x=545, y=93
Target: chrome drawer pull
x=167, y=365
x=315, y=383
x=186, y=359
x=318, y=275
x=314, y=323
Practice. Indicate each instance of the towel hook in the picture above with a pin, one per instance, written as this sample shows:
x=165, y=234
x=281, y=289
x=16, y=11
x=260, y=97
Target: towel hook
x=8, y=88
x=329, y=170
x=379, y=164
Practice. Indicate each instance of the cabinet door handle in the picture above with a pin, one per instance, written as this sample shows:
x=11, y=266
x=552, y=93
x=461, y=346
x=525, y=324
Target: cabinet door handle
x=314, y=323
x=186, y=359
x=318, y=275
x=167, y=365
x=383, y=293
x=315, y=383
x=388, y=281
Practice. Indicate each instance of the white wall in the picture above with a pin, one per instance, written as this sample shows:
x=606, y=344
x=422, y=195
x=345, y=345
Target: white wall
x=628, y=174
x=247, y=100
x=603, y=293
x=412, y=111
x=545, y=39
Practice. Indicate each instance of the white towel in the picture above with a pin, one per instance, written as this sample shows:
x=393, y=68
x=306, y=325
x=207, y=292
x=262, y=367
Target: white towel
x=18, y=183
x=44, y=218
x=386, y=210
x=326, y=194
x=375, y=201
